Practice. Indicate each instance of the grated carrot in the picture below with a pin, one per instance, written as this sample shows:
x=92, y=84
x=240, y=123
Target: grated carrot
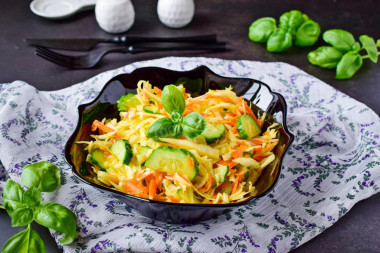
x=152, y=188
x=238, y=152
x=97, y=124
x=207, y=187
x=157, y=90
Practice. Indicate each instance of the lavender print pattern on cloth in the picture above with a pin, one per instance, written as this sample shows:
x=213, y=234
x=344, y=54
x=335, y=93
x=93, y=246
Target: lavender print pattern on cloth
x=333, y=163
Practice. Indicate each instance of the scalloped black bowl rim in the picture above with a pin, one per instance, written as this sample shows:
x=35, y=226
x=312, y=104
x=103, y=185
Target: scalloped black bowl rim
x=81, y=107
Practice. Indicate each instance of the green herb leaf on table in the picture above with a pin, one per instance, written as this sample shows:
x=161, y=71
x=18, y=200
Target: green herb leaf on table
x=293, y=25
x=292, y=20
x=22, y=217
x=13, y=196
x=173, y=99
x=25, y=206
x=325, y=57
x=43, y=175
x=344, y=54
x=307, y=34
x=339, y=39
x=279, y=41
x=59, y=218
x=261, y=29
x=32, y=197
x=194, y=125
x=164, y=128
x=348, y=65
x=26, y=241
x=370, y=46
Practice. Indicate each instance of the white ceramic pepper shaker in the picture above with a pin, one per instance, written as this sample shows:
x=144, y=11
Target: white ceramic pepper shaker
x=115, y=16
x=175, y=13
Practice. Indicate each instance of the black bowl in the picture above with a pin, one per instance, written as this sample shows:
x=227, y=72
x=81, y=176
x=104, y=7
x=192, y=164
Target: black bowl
x=196, y=81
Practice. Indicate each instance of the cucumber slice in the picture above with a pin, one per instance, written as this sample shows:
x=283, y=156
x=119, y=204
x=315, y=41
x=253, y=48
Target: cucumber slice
x=220, y=174
x=127, y=101
x=141, y=153
x=151, y=109
x=213, y=132
x=122, y=150
x=172, y=160
x=247, y=127
x=98, y=157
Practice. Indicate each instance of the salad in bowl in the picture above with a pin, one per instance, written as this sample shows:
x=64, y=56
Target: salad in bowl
x=181, y=146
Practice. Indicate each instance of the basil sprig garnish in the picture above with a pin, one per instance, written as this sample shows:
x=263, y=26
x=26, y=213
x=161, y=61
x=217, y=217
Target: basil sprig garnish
x=173, y=101
x=25, y=206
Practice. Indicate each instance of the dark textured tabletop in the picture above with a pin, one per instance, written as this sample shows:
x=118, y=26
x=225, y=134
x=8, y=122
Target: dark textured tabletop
x=357, y=231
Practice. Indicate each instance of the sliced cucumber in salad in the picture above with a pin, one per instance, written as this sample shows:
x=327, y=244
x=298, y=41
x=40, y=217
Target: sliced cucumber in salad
x=122, y=150
x=98, y=157
x=141, y=154
x=151, y=109
x=214, y=132
x=247, y=127
x=220, y=174
x=127, y=101
x=173, y=160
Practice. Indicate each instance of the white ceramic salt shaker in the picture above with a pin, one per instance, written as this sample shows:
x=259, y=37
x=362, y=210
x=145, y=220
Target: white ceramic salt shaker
x=175, y=13
x=115, y=16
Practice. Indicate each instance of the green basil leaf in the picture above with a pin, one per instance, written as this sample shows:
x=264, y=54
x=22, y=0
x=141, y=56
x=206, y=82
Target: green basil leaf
x=164, y=128
x=370, y=46
x=193, y=125
x=378, y=43
x=279, y=41
x=325, y=57
x=42, y=175
x=291, y=20
x=22, y=217
x=340, y=39
x=177, y=117
x=356, y=47
x=348, y=65
x=59, y=218
x=13, y=196
x=283, y=22
x=296, y=19
x=308, y=33
x=261, y=29
x=32, y=197
x=27, y=241
x=173, y=99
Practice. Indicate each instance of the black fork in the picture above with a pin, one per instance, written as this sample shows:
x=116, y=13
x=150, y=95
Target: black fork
x=91, y=59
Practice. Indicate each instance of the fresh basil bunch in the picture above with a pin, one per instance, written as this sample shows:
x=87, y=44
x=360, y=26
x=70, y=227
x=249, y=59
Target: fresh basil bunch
x=293, y=26
x=344, y=52
x=173, y=101
x=25, y=206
